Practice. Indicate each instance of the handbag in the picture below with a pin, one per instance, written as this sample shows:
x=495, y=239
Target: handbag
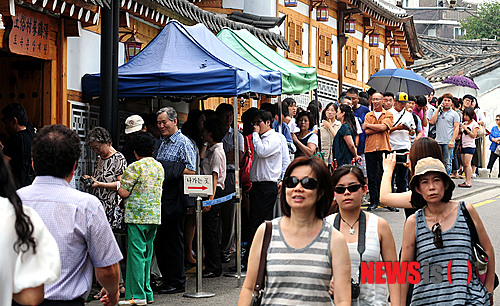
x=258, y=290
x=479, y=256
x=246, y=165
x=497, y=150
x=481, y=132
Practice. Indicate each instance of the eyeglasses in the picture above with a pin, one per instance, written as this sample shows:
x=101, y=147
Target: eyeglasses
x=307, y=182
x=351, y=188
x=438, y=239
x=376, y=99
x=256, y=122
x=497, y=119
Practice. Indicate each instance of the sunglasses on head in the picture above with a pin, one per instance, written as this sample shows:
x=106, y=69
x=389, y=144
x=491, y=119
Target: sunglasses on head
x=438, y=239
x=307, y=182
x=351, y=188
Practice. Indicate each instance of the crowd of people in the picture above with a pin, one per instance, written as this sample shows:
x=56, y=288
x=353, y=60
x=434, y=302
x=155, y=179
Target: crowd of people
x=133, y=227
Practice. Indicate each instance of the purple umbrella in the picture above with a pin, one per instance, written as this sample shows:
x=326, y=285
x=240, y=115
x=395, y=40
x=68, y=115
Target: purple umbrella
x=460, y=80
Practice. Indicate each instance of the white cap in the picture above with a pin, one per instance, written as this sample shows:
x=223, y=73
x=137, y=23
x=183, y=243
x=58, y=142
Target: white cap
x=133, y=124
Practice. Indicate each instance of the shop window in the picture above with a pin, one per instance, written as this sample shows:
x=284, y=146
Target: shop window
x=294, y=38
x=374, y=65
x=351, y=56
x=325, y=51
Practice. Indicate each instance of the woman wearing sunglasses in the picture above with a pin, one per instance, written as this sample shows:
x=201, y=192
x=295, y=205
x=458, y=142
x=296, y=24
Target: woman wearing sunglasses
x=356, y=225
x=438, y=234
x=305, y=253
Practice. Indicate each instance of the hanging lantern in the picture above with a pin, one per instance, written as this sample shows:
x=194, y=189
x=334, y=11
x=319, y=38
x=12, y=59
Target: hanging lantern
x=350, y=25
x=290, y=3
x=373, y=39
x=322, y=12
x=132, y=47
x=395, y=49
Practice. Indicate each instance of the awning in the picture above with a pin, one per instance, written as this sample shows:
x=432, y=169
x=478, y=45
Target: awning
x=187, y=61
x=295, y=79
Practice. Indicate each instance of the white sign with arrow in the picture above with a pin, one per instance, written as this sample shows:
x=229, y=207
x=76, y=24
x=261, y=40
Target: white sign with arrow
x=198, y=185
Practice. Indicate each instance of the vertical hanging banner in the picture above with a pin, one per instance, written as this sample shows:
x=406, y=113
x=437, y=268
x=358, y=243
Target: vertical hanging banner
x=30, y=34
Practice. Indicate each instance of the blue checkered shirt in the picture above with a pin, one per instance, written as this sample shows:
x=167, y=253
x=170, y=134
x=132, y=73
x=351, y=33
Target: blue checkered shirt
x=79, y=225
x=178, y=148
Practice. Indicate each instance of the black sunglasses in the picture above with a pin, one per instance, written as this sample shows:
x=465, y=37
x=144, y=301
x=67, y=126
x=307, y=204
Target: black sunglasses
x=351, y=188
x=307, y=182
x=438, y=239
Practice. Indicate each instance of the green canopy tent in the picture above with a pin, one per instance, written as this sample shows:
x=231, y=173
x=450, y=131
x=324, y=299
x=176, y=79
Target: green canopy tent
x=294, y=79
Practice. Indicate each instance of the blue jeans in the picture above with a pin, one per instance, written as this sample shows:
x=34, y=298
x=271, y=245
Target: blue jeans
x=447, y=157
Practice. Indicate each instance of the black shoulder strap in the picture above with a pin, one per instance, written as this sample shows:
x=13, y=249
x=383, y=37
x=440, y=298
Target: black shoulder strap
x=395, y=123
x=472, y=228
x=361, y=235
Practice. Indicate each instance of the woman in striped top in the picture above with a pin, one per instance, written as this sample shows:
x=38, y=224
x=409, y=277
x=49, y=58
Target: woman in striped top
x=437, y=234
x=305, y=253
x=350, y=187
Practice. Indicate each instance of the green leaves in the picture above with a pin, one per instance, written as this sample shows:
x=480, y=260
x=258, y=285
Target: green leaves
x=486, y=24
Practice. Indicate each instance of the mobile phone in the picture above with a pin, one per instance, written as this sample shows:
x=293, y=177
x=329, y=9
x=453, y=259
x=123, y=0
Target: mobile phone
x=403, y=158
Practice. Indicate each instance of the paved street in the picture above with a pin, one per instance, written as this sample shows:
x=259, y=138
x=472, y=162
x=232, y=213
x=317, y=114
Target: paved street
x=485, y=195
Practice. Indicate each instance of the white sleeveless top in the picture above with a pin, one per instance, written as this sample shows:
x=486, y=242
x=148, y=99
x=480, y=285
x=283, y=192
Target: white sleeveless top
x=370, y=294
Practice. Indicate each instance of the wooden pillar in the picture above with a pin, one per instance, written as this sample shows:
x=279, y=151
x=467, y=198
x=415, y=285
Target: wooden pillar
x=63, y=116
x=49, y=92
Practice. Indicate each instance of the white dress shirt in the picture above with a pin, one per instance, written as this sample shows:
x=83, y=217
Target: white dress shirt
x=285, y=157
x=267, y=162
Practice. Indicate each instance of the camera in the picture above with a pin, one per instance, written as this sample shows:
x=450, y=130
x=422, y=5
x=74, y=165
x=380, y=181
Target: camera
x=408, y=125
x=355, y=290
x=402, y=158
x=87, y=181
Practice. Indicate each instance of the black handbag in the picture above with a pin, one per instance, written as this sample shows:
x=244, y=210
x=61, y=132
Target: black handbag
x=258, y=290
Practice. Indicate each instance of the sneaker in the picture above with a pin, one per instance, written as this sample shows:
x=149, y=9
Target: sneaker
x=133, y=302
x=474, y=175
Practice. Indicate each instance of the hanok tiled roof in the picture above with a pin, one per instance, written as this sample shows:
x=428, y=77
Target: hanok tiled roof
x=448, y=57
x=383, y=11
x=215, y=22
x=263, y=22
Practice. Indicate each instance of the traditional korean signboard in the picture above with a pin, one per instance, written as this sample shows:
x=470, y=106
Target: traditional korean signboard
x=30, y=34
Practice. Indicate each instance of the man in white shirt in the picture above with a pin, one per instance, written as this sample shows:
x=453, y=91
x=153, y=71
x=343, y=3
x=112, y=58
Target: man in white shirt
x=266, y=170
x=399, y=138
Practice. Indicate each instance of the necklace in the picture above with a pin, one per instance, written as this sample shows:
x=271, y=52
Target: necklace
x=437, y=218
x=352, y=231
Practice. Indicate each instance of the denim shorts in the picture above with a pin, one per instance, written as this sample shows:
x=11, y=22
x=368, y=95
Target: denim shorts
x=468, y=151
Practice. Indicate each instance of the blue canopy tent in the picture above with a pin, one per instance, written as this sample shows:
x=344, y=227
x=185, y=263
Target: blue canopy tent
x=187, y=61
x=191, y=61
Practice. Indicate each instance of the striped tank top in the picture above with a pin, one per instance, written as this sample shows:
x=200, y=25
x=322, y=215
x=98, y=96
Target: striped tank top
x=298, y=276
x=457, y=247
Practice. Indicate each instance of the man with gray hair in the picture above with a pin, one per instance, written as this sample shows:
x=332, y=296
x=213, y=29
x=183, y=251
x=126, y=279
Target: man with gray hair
x=178, y=157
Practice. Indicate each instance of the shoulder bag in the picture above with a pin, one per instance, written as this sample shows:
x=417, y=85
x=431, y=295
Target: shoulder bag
x=479, y=256
x=258, y=290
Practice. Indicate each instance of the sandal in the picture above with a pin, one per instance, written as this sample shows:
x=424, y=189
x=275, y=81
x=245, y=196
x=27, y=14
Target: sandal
x=464, y=185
